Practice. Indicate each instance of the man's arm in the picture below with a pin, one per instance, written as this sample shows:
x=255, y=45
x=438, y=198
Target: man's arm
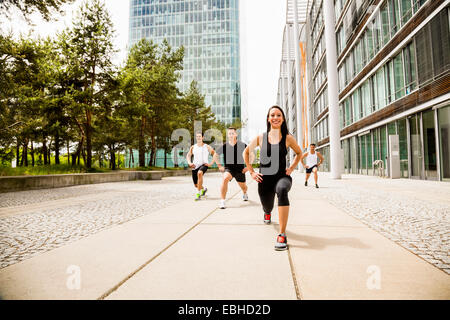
x=250, y=149
x=217, y=158
x=189, y=156
x=213, y=153
x=252, y=158
x=303, y=157
x=320, y=157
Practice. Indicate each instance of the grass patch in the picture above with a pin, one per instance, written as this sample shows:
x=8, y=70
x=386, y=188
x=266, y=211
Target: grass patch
x=49, y=169
x=67, y=169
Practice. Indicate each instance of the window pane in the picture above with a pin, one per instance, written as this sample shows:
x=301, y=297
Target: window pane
x=369, y=42
x=385, y=23
x=394, y=13
x=440, y=42
x=369, y=150
x=424, y=56
x=356, y=105
x=406, y=10
x=381, y=91
x=399, y=77
x=410, y=68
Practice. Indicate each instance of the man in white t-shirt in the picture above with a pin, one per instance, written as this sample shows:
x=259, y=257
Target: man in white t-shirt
x=200, y=163
x=313, y=160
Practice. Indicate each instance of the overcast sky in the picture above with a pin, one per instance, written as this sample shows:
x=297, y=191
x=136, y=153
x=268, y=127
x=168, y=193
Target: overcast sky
x=262, y=23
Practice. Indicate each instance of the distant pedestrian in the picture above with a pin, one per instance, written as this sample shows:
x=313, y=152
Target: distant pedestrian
x=312, y=163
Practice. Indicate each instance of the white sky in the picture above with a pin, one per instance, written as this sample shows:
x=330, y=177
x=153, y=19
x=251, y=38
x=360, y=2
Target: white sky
x=262, y=23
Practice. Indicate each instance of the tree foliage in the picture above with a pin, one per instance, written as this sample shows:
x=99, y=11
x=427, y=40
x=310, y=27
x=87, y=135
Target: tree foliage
x=63, y=96
x=45, y=7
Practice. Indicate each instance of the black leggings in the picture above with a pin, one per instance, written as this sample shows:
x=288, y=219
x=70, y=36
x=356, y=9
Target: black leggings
x=279, y=185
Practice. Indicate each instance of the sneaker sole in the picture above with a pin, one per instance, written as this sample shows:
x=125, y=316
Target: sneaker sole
x=267, y=222
x=281, y=249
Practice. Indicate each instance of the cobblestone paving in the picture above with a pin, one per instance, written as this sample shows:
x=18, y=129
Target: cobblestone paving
x=25, y=235
x=415, y=214
x=419, y=225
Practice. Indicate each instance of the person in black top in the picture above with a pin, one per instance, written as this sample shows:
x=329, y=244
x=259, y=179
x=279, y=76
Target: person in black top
x=273, y=177
x=234, y=165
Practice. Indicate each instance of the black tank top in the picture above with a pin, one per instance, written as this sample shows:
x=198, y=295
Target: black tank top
x=266, y=157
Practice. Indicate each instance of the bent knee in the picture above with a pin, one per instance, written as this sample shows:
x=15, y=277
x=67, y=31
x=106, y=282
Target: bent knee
x=200, y=173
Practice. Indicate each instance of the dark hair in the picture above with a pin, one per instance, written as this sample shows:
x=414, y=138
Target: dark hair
x=231, y=128
x=313, y=144
x=284, y=128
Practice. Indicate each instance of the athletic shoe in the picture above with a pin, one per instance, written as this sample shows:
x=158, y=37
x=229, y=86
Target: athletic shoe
x=306, y=183
x=317, y=186
x=267, y=218
x=203, y=191
x=281, y=242
x=222, y=204
x=197, y=196
x=245, y=197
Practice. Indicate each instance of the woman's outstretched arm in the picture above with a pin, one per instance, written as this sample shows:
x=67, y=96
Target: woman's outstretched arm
x=292, y=143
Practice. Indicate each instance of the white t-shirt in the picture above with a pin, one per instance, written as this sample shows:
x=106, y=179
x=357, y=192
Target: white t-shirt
x=201, y=155
x=311, y=159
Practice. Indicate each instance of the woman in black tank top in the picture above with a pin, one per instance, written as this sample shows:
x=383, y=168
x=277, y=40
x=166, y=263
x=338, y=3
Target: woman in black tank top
x=273, y=177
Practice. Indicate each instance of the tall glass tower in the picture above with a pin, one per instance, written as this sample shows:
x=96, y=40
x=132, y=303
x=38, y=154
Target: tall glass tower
x=209, y=31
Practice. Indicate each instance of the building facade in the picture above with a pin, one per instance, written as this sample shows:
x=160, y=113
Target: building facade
x=292, y=93
x=209, y=32
x=393, y=66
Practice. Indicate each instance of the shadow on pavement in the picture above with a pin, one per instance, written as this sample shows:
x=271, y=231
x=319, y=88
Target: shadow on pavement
x=316, y=243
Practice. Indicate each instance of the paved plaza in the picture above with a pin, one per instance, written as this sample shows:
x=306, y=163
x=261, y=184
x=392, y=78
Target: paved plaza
x=360, y=237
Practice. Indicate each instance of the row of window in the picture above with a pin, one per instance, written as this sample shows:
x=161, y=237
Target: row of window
x=424, y=59
x=316, y=29
x=179, y=40
x=392, y=15
x=162, y=6
x=180, y=21
x=320, y=131
x=321, y=103
x=391, y=82
x=318, y=52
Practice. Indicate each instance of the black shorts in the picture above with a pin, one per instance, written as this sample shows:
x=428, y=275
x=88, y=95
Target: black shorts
x=309, y=170
x=237, y=174
x=203, y=168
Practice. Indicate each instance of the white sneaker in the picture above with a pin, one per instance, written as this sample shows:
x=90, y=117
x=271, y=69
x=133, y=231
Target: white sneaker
x=245, y=197
x=222, y=204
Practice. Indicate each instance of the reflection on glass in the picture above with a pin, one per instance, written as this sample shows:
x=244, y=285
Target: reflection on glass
x=444, y=141
x=416, y=147
x=403, y=145
x=429, y=145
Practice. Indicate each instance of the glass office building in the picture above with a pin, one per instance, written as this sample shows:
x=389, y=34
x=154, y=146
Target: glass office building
x=209, y=31
x=394, y=85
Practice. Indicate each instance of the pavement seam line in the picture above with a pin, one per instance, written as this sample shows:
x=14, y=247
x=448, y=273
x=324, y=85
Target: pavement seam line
x=117, y=286
x=294, y=277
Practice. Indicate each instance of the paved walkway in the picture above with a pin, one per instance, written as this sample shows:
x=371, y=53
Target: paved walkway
x=150, y=240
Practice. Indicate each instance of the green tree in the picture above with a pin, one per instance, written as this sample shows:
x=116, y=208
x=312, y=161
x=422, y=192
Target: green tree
x=27, y=7
x=149, y=82
x=195, y=109
x=90, y=50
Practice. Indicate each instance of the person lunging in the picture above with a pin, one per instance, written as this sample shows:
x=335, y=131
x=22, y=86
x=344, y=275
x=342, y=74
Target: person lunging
x=234, y=165
x=273, y=177
x=199, y=164
x=312, y=163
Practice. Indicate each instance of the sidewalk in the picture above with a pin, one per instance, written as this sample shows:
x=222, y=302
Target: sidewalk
x=193, y=250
